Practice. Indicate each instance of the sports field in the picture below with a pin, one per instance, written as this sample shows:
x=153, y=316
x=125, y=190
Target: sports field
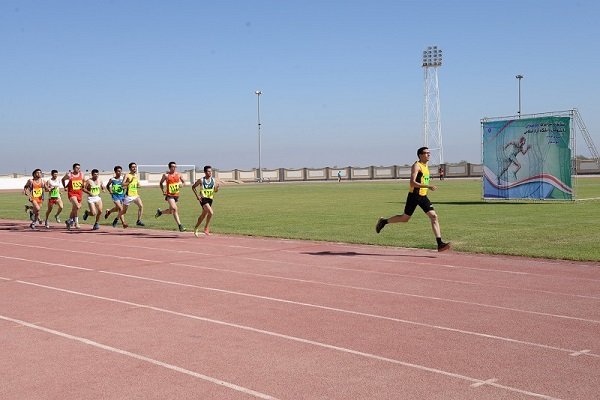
x=347, y=212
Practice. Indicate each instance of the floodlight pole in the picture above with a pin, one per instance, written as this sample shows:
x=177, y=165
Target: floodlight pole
x=519, y=77
x=432, y=126
x=258, y=93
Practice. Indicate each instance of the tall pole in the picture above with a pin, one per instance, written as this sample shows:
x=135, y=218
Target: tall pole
x=432, y=125
x=519, y=77
x=259, y=175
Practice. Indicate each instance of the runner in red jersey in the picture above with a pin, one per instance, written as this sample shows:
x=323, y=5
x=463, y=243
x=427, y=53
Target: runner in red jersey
x=174, y=182
x=73, y=182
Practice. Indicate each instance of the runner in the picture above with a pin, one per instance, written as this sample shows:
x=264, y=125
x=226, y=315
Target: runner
x=53, y=186
x=131, y=185
x=74, y=188
x=417, y=196
x=92, y=187
x=34, y=189
x=174, y=182
x=115, y=188
x=207, y=191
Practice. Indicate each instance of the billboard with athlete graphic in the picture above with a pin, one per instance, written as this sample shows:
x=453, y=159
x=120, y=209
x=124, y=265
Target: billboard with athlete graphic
x=527, y=158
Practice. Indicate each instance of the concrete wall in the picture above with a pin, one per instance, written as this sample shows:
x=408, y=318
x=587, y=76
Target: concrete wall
x=462, y=170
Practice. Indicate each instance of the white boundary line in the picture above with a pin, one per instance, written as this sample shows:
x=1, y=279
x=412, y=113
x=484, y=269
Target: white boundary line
x=326, y=284
x=141, y=358
x=352, y=312
x=291, y=338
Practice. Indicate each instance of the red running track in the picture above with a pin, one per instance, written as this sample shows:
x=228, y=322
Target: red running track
x=143, y=314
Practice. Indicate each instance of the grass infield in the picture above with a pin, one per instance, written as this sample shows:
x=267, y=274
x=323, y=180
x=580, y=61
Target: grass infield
x=347, y=212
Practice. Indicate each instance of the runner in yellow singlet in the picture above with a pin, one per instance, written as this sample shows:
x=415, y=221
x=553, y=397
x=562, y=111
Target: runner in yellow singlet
x=417, y=196
x=131, y=185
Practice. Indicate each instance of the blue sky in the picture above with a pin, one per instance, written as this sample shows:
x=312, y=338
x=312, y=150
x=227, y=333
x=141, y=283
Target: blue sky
x=108, y=82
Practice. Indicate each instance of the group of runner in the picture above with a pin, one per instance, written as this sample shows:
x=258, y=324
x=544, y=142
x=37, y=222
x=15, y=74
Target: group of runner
x=123, y=189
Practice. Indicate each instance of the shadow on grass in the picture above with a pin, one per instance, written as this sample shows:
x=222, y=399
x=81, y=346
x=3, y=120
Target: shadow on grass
x=354, y=253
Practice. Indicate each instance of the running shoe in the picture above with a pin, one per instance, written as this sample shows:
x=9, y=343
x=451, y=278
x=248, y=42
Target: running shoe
x=443, y=246
x=197, y=232
x=381, y=222
x=106, y=214
x=57, y=218
x=68, y=223
x=140, y=223
x=158, y=213
x=85, y=215
x=96, y=227
x=181, y=228
x=206, y=232
x=32, y=225
x=115, y=222
x=47, y=225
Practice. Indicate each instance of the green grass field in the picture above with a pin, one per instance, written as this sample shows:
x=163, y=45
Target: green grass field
x=347, y=212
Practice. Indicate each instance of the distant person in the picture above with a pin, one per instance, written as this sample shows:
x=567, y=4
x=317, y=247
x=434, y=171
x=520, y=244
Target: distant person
x=34, y=190
x=208, y=188
x=339, y=175
x=53, y=186
x=73, y=182
x=131, y=184
x=441, y=172
x=115, y=187
x=174, y=181
x=417, y=196
x=511, y=149
x=92, y=187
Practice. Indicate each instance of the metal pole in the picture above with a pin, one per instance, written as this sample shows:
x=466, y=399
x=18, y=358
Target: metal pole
x=519, y=77
x=259, y=175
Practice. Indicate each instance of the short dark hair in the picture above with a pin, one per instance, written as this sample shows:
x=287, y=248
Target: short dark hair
x=207, y=167
x=54, y=171
x=76, y=165
x=95, y=171
x=172, y=163
x=421, y=150
x=131, y=163
x=34, y=171
x=117, y=167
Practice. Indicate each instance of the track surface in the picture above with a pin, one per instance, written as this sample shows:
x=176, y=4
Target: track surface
x=143, y=314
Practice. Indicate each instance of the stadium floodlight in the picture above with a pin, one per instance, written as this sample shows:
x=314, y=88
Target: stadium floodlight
x=258, y=93
x=519, y=77
x=432, y=127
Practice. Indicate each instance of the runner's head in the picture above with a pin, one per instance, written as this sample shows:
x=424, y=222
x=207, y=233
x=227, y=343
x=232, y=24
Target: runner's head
x=207, y=171
x=423, y=153
x=95, y=174
x=118, y=169
x=132, y=167
x=37, y=173
x=172, y=166
x=54, y=174
x=76, y=168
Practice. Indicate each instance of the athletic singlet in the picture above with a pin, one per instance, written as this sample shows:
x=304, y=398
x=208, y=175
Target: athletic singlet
x=208, y=187
x=37, y=189
x=422, y=177
x=173, y=183
x=54, y=188
x=132, y=188
x=75, y=183
x=94, y=188
x=116, y=185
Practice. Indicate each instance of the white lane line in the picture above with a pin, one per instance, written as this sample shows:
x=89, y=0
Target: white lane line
x=345, y=311
x=47, y=263
x=141, y=358
x=486, y=382
x=460, y=282
x=394, y=293
x=441, y=299
x=301, y=340
x=5, y=279
x=581, y=352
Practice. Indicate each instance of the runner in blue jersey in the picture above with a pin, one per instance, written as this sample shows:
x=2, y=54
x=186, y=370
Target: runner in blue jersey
x=115, y=188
